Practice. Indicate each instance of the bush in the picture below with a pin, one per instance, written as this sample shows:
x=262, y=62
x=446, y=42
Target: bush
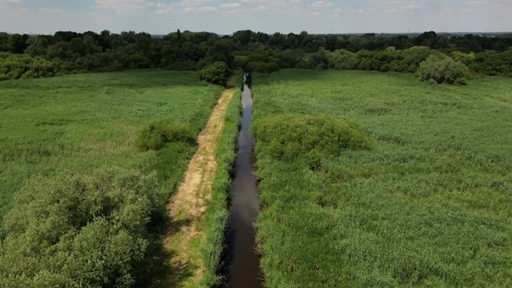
x=15, y=66
x=216, y=73
x=343, y=60
x=156, y=135
x=442, y=69
x=288, y=136
x=78, y=231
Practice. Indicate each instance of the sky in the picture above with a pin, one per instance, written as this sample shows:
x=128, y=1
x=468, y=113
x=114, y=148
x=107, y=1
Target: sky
x=269, y=16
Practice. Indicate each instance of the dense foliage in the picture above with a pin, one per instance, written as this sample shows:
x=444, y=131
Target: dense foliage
x=288, y=136
x=14, y=66
x=78, y=231
x=442, y=70
x=216, y=73
x=159, y=133
x=252, y=51
x=428, y=206
x=86, y=206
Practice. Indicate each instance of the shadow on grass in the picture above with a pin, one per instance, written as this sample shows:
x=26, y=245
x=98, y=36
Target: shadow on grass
x=158, y=270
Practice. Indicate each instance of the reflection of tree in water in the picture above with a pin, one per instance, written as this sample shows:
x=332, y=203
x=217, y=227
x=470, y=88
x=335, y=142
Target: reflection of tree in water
x=248, y=79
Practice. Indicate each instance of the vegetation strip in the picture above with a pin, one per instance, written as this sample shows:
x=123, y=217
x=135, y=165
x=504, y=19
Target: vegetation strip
x=33, y=56
x=188, y=206
x=217, y=214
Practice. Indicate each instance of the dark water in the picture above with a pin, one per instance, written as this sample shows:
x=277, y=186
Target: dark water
x=244, y=269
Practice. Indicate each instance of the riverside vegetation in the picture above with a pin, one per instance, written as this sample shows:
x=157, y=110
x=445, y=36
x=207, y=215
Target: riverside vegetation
x=82, y=196
x=217, y=214
x=417, y=193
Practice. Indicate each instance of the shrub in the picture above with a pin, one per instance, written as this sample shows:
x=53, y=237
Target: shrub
x=156, y=135
x=442, y=69
x=78, y=231
x=15, y=66
x=343, y=60
x=287, y=136
x=216, y=73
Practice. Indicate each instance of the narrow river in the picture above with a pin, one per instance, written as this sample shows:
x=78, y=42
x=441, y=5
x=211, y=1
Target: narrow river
x=244, y=268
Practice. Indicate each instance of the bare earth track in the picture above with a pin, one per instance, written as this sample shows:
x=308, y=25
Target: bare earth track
x=188, y=206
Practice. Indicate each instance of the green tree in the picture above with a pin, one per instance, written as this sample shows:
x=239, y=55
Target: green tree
x=216, y=73
x=4, y=42
x=36, y=46
x=221, y=51
x=342, y=60
x=17, y=43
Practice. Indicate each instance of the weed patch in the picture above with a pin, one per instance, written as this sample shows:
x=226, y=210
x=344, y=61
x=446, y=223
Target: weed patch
x=157, y=134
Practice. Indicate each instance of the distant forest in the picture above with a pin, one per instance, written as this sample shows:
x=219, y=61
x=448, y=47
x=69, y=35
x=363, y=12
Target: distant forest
x=29, y=56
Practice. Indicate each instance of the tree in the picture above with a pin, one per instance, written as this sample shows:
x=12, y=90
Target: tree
x=216, y=73
x=17, y=43
x=243, y=37
x=343, y=60
x=432, y=40
x=4, y=42
x=221, y=50
x=36, y=46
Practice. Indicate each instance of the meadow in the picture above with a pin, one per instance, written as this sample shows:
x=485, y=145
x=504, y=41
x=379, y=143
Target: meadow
x=426, y=202
x=75, y=188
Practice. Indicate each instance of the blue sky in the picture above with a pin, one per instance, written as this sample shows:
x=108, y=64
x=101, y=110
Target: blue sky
x=225, y=17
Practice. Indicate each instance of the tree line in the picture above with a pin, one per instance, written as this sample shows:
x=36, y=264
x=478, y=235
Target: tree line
x=69, y=52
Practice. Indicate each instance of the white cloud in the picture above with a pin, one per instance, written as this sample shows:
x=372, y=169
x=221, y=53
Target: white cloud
x=393, y=6
x=320, y=4
x=189, y=3
x=230, y=5
x=52, y=10
x=7, y=4
x=201, y=9
x=121, y=6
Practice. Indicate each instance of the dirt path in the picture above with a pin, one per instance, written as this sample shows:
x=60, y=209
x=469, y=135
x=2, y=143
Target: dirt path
x=188, y=206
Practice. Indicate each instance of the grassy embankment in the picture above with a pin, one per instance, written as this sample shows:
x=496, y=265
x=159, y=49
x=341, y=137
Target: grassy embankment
x=429, y=204
x=217, y=214
x=72, y=173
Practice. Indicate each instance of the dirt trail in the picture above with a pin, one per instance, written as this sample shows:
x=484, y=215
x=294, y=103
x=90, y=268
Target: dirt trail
x=188, y=206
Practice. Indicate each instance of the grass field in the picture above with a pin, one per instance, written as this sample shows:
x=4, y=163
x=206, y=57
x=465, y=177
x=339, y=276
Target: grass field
x=82, y=122
x=74, y=187
x=429, y=204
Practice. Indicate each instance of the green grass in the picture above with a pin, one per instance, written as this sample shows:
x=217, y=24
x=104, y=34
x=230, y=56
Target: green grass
x=87, y=202
x=217, y=214
x=79, y=123
x=429, y=205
